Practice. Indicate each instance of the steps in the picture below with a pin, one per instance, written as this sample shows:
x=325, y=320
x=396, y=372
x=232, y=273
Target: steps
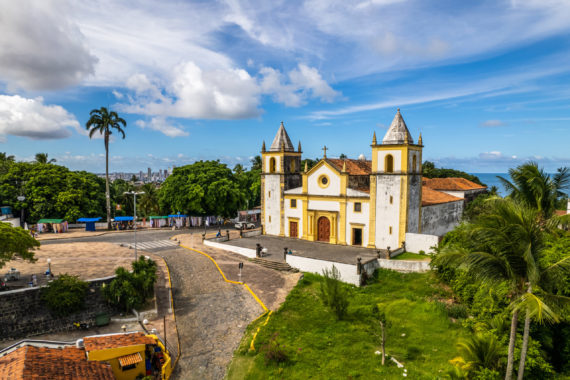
x=274, y=264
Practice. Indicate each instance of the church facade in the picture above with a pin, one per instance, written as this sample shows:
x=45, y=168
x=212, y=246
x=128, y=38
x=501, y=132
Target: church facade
x=369, y=203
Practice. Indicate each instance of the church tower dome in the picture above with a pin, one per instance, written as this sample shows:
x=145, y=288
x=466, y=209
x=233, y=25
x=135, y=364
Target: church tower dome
x=398, y=132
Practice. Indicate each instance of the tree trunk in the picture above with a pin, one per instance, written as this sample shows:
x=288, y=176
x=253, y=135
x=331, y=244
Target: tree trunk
x=525, y=340
x=107, y=193
x=512, y=338
x=383, y=343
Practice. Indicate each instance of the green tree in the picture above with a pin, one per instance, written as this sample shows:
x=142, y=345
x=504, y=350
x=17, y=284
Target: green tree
x=103, y=121
x=203, y=188
x=118, y=189
x=65, y=295
x=15, y=241
x=534, y=187
x=309, y=163
x=42, y=158
x=148, y=202
x=380, y=316
x=131, y=289
x=430, y=171
x=478, y=352
x=256, y=163
x=5, y=162
x=333, y=293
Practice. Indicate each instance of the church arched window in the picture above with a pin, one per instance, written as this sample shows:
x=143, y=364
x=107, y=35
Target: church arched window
x=414, y=164
x=292, y=167
x=272, y=165
x=389, y=164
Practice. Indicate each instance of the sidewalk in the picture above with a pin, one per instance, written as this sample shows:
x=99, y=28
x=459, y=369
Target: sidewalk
x=72, y=234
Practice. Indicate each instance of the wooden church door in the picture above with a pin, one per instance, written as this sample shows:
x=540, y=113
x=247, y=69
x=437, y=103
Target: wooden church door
x=293, y=230
x=323, y=229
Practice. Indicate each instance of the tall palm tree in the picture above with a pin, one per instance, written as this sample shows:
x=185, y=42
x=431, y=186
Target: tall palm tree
x=531, y=185
x=506, y=244
x=103, y=121
x=5, y=158
x=42, y=158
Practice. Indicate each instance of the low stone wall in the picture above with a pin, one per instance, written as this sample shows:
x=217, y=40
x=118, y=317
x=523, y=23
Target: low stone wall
x=251, y=233
x=421, y=242
x=404, y=266
x=247, y=252
x=24, y=314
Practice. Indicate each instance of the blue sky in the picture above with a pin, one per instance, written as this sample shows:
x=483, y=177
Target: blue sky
x=486, y=82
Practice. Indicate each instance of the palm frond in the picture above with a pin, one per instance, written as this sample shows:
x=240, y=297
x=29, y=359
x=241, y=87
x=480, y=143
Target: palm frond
x=539, y=311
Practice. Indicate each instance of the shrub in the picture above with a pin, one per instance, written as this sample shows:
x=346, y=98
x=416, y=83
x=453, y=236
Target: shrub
x=457, y=311
x=422, y=252
x=65, y=295
x=413, y=352
x=275, y=351
x=333, y=293
x=131, y=289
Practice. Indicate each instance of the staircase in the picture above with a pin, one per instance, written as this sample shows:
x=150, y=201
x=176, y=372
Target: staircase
x=274, y=264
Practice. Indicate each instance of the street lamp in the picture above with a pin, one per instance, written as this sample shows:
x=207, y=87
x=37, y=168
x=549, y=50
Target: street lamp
x=20, y=199
x=49, y=266
x=135, y=193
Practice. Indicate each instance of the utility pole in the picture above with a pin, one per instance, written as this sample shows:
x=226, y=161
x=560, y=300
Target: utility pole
x=135, y=193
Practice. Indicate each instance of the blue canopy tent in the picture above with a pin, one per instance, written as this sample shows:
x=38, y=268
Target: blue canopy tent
x=89, y=223
x=179, y=220
x=122, y=222
x=123, y=219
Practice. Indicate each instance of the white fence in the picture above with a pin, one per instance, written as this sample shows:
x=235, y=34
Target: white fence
x=421, y=242
x=304, y=264
x=232, y=248
x=404, y=266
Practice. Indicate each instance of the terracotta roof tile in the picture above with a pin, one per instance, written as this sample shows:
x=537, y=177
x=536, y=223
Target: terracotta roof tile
x=560, y=212
x=434, y=197
x=353, y=167
x=451, y=184
x=103, y=342
x=30, y=362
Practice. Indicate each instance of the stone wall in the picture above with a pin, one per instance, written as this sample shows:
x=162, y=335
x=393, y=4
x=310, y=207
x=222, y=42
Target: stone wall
x=421, y=242
x=441, y=218
x=24, y=314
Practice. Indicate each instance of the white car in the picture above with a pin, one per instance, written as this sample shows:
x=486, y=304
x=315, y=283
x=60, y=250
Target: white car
x=244, y=225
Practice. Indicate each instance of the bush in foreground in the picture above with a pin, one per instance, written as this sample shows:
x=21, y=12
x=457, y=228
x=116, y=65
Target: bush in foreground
x=65, y=295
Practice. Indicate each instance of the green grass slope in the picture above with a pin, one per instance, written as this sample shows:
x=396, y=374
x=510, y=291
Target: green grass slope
x=420, y=334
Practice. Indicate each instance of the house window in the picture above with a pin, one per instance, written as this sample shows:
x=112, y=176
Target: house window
x=357, y=206
x=272, y=165
x=293, y=203
x=389, y=164
x=391, y=199
x=130, y=366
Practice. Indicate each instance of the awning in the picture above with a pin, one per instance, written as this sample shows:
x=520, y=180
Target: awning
x=130, y=359
x=177, y=216
x=123, y=218
x=51, y=221
x=86, y=220
x=159, y=217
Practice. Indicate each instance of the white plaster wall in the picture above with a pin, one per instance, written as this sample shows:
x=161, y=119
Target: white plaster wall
x=404, y=266
x=324, y=205
x=304, y=264
x=15, y=222
x=411, y=154
x=272, y=204
x=247, y=252
x=334, y=182
x=397, y=154
x=362, y=217
x=421, y=242
x=458, y=194
x=387, y=214
x=294, y=213
x=441, y=218
x=277, y=163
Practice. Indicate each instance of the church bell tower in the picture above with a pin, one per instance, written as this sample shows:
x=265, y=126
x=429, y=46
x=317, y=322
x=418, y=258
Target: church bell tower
x=280, y=171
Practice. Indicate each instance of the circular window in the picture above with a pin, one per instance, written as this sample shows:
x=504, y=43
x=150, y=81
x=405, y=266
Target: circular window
x=323, y=181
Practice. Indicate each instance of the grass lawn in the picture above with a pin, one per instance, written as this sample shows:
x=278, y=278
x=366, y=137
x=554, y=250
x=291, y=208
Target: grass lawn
x=412, y=256
x=421, y=335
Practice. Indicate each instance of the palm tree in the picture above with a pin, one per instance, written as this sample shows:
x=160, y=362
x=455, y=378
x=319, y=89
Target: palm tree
x=507, y=241
x=477, y=352
x=531, y=185
x=149, y=200
x=103, y=121
x=4, y=158
x=42, y=158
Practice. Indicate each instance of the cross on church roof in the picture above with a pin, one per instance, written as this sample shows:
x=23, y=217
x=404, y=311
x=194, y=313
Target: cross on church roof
x=325, y=149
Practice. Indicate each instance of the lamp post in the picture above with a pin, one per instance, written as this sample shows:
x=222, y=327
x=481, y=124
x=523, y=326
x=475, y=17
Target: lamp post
x=49, y=266
x=135, y=193
x=20, y=199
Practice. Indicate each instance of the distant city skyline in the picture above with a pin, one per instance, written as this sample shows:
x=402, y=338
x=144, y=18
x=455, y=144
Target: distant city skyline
x=486, y=83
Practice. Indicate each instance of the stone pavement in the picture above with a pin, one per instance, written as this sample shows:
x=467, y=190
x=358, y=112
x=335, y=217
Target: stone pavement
x=323, y=251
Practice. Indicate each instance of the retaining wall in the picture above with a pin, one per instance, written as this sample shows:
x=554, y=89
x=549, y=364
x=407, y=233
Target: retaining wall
x=304, y=264
x=421, y=242
x=404, y=266
x=247, y=252
x=24, y=314
x=251, y=233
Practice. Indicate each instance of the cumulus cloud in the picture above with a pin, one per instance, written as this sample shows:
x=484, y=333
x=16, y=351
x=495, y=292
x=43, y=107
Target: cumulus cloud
x=33, y=119
x=40, y=48
x=493, y=123
x=160, y=124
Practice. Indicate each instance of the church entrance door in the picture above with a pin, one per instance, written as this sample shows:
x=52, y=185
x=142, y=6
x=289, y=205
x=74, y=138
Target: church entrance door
x=323, y=229
x=293, y=230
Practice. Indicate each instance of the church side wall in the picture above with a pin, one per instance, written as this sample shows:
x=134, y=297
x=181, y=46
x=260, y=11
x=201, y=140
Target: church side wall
x=357, y=220
x=441, y=218
x=414, y=202
x=297, y=214
x=272, y=215
x=387, y=214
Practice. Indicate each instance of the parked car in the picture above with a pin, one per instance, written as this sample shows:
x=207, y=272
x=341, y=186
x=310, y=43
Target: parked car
x=244, y=225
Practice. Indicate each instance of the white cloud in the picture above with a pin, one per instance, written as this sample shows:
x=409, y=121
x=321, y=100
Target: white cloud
x=493, y=123
x=118, y=94
x=40, y=47
x=33, y=119
x=160, y=124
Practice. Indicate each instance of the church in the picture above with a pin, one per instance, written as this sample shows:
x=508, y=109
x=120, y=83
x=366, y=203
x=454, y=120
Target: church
x=382, y=203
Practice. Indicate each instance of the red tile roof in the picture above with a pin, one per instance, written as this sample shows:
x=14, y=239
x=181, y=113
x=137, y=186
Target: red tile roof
x=103, y=342
x=560, y=212
x=43, y=363
x=434, y=197
x=353, y=167
x=451, y=184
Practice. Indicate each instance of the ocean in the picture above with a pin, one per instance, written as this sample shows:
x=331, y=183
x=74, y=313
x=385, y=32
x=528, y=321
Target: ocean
x=490, y=179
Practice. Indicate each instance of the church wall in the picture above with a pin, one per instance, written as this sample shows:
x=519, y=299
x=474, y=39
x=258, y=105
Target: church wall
x=418, y=167
x=272, y=204
x=324, y=205
x=414, y=202
x=294, y=213
x=359, y=218
x=277, y=163
x=397, y=154
x=441, y=218
x=387, y=214
x=334, y=182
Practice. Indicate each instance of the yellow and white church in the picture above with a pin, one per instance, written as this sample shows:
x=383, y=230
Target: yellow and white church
x=382, y=203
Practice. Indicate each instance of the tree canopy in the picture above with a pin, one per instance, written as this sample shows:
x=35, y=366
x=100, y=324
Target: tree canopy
x=430, y=171
x=15, y=241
